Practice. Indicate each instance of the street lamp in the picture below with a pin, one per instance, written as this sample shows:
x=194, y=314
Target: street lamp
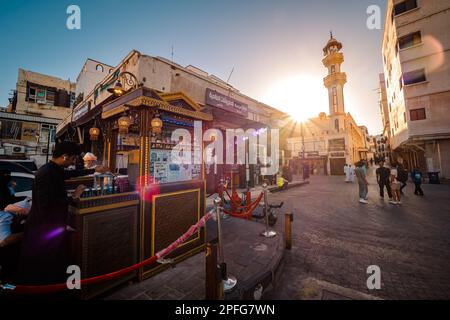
x=128, y=79
x=48, y=144
x=303, y=150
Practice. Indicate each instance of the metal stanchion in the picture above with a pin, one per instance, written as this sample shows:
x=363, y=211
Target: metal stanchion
x=267, y=233
x=222, y=200
x=229, y=282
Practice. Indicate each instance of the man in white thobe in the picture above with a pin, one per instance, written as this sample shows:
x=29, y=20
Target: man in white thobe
x=347, y=173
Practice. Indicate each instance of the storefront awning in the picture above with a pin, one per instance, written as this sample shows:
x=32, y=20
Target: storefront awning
x=149, y=98
x=88, y=116
x=28, y=118
x=226, y=120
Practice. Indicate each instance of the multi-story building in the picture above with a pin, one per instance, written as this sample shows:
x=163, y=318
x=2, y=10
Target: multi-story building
x=382, y=151
x=38, y=105
x=415, y=54
x=328, y=142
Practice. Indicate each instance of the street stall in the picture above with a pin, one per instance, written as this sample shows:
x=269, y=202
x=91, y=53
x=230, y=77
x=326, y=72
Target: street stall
x=149, y=200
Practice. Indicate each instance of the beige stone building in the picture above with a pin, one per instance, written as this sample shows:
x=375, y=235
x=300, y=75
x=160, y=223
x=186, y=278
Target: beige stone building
x=40, y=102
x=230, y=108
x=416, y=57
x=328, y=142
x=165, y=76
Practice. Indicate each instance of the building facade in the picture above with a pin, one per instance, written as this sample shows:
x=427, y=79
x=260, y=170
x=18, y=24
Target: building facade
x=230, y=108
x=415, y=54
x=40, y=102
x=328, y=142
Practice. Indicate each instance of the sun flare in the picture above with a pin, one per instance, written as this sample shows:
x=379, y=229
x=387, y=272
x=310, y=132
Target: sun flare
x=302, y=97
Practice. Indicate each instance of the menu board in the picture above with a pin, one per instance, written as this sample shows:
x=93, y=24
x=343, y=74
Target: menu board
x=163, y=170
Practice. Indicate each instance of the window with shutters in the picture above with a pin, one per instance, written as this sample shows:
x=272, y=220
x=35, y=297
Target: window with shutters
x=405, y=6
x=50, y=97
x=41, y=95
x=410, y=40
x=31, y=94
x=413, y=77
x=335, y=100
x=417, y=114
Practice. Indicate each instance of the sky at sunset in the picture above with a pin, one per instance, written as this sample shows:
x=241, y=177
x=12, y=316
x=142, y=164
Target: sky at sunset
x=275, y=47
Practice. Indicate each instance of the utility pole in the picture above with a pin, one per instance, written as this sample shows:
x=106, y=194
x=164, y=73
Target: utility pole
x=48, y=144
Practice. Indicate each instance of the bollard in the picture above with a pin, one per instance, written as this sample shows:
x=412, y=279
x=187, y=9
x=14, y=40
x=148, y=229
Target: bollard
x=222, y=198
x=221, y=192
x=288, y=218
x=229, y=282
x=267, y=232
x=213, y=279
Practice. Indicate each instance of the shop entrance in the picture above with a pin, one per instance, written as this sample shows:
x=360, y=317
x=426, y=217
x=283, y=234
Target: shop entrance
x=337, y=166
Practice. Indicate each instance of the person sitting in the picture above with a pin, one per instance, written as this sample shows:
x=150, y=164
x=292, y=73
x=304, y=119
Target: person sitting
x=6, y=194
x=11, y=231
x=282, y=183
x=17, y=210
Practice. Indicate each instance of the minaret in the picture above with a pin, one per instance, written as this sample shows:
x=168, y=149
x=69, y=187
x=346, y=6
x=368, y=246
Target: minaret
x=335, y=81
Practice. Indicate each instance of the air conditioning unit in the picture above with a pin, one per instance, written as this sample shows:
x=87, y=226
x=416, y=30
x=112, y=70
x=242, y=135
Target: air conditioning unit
x=18, y=149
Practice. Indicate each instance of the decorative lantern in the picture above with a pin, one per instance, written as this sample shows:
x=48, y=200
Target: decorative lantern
x=117, y=90
x=156, y=124
x=94, y=132
x=124, y=123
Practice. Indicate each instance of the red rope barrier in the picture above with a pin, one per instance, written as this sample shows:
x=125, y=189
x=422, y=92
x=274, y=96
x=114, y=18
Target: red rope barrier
x=24, y=289
x=251, y=204
x=247, y=213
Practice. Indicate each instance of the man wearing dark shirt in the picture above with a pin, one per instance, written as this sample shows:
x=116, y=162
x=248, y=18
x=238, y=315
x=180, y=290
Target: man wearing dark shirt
x=383, y=180
x=45, y=254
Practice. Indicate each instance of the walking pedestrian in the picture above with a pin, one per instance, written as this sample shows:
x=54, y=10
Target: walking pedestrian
x=395, y=186
x=352, y=173
x=347, y=173
x=361, y=175
x=402, y=175
x=416, y=176
x=383, y=174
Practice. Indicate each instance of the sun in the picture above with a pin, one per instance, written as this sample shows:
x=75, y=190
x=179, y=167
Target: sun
x=302, y=96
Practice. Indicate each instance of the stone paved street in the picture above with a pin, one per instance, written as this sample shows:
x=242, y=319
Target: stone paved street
x=336, y=239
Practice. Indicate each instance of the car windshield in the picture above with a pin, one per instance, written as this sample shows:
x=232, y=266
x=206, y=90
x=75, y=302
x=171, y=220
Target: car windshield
x=30, y=165
x=13, y=167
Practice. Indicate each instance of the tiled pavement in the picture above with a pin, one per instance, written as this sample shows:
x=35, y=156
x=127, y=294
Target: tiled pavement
x=248, y=255
x=336, y=239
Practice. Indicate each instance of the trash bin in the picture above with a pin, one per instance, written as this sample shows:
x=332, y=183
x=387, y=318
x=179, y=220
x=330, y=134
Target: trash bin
x=433, y=178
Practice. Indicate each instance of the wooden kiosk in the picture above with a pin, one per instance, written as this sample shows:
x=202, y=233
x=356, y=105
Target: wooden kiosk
x=118, y=229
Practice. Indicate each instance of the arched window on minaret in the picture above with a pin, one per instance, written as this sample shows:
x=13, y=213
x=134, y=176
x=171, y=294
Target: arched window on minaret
x=336, y=124
x=333, y=69
x=335, y=100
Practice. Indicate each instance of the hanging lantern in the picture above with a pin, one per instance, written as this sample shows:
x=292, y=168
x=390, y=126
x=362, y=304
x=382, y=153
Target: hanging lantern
x=124, y=123
x=156, y=124
x=117, y=90
x=94, y=132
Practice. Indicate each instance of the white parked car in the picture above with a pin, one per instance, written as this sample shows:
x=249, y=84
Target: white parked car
x=24, y=182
